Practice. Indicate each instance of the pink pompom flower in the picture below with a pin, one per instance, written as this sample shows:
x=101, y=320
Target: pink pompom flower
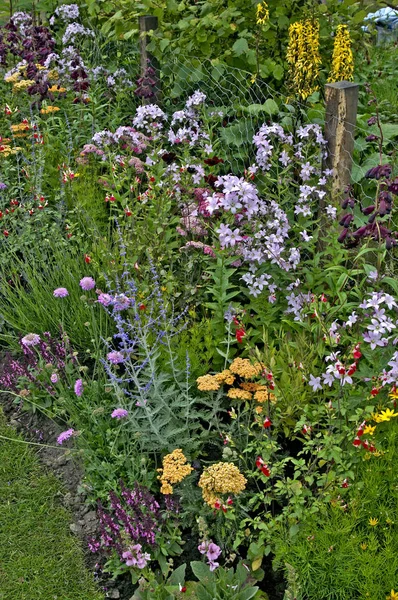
x=60, y=292
x=87, y=283
x=65, y=435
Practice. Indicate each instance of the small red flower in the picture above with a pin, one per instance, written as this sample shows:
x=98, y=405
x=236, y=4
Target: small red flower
x=217, y=505
x=128, y=212
x=356, y=442
x=240, y=334
x=345, y=483
x=352, y=369
x=1, y=215
x=366, y=445
x=183, y=589
x=224, y=508
x=6, y=233
x=265, y=471
x=87, y=259
x=374, y=391
x=152, y=179
x=357, y=354
x=324, y=298
x=259, y=462
x=230, y=501
x=267, y=423
x=142, y=306
x=306, y=430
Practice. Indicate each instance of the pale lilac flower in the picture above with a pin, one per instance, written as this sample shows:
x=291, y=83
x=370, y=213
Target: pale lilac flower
x=65, y=435
x=31, y=339
x=203, y=547
x=115, y=357
x=373, y=275
x=78, y=387
x=134, y=557
x=54, y=378
x=213, y=551
x=87, y=283
x=315, y=383
x=60, y=292
x=119, y=413
x=305, y=236
x=331, y=211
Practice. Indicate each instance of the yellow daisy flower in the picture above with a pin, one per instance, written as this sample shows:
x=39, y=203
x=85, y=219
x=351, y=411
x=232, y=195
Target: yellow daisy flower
x=373, y=521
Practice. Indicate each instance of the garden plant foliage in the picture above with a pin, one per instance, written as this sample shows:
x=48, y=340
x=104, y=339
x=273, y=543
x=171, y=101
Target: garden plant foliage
x=180, y=288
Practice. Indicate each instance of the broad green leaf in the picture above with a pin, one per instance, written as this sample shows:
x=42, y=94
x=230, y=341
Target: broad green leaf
x=240, y=47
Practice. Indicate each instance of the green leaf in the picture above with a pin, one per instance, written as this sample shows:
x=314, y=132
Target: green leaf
x=178, y=576
x=163, y=44
x=248, y=592
x=201, y=571
x=240, y=47
x=278, y=72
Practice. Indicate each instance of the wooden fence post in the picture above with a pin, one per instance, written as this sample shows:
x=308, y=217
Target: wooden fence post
x=341, y=115
x=148, y=23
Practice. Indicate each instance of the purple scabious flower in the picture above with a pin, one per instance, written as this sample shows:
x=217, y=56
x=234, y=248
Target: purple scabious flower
x=31, y=339
x=65, y=435
x=87, y=283
x=3, y=186
x=54, y=378
x=105, y=299
x=119, y=413
x=60, y=292
x=78, y=387
x=115, y=357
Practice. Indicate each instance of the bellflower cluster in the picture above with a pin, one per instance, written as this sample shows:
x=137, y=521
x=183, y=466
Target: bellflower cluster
x=65, y=12
x=378, y=331
x=150, y=118
x=73, y=31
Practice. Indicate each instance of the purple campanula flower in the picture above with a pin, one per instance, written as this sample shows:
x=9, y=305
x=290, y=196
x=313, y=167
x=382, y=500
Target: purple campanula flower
x=87, y=283
x=65, y=435
x=60, y=292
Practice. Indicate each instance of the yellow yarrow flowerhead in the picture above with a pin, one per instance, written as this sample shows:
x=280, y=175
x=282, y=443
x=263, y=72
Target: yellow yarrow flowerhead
x=262, y=13
x=49, y=109
x=238, y=394
x=244, y=368
x=303, y=56
x=56, y=89
x=221, y=478
x=13, y=78
x=343, y=60
x=23, y=85
x=208, y=383
x=175, y=469
x=225, y=377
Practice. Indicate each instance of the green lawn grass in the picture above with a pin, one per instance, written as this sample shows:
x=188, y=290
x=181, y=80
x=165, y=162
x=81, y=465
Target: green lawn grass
x=39, y=557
